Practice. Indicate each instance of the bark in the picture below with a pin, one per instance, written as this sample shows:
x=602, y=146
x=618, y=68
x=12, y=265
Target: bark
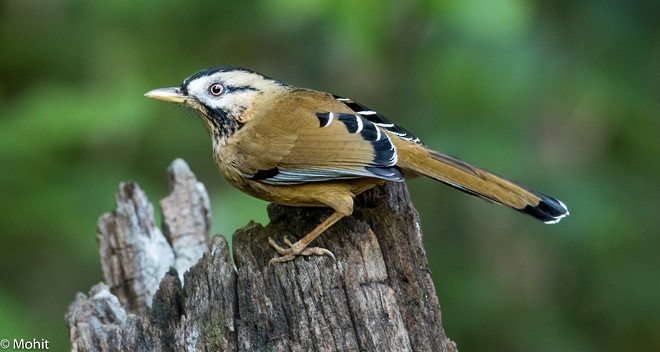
x=377, y=296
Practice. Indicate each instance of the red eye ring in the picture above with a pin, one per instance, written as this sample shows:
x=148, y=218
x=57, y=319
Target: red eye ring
x=216, y=89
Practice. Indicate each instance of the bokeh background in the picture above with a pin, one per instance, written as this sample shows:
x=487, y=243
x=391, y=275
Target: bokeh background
x=563, y=96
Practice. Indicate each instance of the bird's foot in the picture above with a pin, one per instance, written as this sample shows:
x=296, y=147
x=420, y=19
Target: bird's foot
x=294, y=250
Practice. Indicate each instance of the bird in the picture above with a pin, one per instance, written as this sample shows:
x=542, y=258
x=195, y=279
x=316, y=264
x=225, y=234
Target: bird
x=303, y=147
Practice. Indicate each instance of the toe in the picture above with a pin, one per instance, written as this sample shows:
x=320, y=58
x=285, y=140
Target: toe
x=318, y=251
x=288, y=243
x=282, y=259
x=279, y=249
x=294, y=250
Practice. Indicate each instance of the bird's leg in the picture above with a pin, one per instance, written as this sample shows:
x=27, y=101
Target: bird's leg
x=300, y=247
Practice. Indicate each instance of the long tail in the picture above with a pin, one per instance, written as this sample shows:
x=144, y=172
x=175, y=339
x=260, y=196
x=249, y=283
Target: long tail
x=479, y=182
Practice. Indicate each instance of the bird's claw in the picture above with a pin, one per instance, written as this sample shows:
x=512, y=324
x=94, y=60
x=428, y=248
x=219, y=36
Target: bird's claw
x=295, y=250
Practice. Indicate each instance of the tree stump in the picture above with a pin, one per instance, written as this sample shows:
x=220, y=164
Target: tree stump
x=377, y=296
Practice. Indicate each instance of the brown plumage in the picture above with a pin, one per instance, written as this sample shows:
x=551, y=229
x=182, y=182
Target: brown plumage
x=302, y=147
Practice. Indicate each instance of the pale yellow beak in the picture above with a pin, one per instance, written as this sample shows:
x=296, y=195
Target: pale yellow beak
x=172, y=95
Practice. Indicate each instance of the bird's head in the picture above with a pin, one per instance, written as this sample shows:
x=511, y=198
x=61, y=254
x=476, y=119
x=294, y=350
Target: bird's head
x=222, y=95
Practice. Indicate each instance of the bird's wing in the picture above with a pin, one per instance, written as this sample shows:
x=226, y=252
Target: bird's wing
x=313, y=137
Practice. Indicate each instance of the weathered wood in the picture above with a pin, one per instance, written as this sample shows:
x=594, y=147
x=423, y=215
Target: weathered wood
x=135, y=255
x=377, y=296
x=96, y=321
x=186, y=216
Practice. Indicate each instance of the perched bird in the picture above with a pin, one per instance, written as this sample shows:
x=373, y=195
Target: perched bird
x=302, y=147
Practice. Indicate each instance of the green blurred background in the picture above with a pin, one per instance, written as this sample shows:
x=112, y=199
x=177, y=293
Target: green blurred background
x=563, y=96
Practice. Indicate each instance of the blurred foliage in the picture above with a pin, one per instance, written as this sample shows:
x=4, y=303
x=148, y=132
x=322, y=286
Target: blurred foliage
x=563, y=96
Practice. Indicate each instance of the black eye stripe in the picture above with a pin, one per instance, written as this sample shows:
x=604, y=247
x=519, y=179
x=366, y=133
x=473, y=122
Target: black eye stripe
x=240, y=88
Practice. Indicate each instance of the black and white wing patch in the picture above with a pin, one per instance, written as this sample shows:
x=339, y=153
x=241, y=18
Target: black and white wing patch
x=384, y=151
x=378, y=160
x=378, y=119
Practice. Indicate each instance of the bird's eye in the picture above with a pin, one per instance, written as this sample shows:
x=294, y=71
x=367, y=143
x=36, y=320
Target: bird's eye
x=216, y=89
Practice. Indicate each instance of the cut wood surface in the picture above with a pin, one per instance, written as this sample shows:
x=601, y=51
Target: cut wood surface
x=377, y=296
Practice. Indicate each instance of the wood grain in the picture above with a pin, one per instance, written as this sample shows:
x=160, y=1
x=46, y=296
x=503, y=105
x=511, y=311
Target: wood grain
x=377, y=296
